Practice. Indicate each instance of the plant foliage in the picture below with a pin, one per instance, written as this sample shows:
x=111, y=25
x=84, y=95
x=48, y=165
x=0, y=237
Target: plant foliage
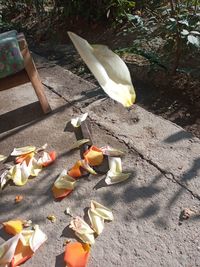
x=177, y=22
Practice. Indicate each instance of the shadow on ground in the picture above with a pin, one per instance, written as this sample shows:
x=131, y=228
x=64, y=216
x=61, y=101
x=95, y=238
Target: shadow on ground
x=20, y=116
x=60, y=260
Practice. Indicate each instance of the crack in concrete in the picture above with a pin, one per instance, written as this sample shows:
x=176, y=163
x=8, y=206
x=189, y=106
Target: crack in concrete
x=55, y=92
x=169, y=175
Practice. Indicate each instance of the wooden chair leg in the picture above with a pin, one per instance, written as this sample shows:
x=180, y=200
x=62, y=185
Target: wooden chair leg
x=35, y=80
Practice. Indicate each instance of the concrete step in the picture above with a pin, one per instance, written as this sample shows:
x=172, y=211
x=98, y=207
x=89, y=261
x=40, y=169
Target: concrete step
x=163, y=160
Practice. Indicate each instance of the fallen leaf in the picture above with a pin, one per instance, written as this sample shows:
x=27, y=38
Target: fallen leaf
x=86, y=166
x=7, y=250
x=20, y=173
x=112, y=152
x=13, y=227
x=51, y=218
x=26, y=165
x=76, y=171
x=76, y=122
x=35, y=167
x=22, y=254
x=23, y=150
x=87, y=238
x=21, y=247
x=26, y=235
x=60, y=193
x=108, y=68
x=4, y=178
x=82, y=230
x=29, y=242
x=18, y=198
x=38, y=238
x=116, y=178
x=102, y=211
x=79, y=143
x=63, y=185
x=186, y=214
x=47, y=158
x=115, y=175
x=76, y=254
x=80, y=226
x=94, y=156
x=115, y=165
x=26, y=157
x=2, y=157
x=97, y=222
x=64, y=181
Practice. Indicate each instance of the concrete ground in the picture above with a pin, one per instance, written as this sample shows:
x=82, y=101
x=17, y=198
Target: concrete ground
x=164, y=161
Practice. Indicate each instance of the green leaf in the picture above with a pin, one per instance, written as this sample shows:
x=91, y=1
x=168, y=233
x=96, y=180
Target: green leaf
x=185, y=32
x=195, y=32
x=172, y=19
x=193, y=40
x=135, y=18
x=183, y=22
x=130, y=17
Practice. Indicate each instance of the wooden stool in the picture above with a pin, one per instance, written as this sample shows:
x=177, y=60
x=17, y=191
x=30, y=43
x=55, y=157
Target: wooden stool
x=28, y=74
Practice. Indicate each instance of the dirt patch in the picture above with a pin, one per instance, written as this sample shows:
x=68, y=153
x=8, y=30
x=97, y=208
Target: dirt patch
x=176, y=98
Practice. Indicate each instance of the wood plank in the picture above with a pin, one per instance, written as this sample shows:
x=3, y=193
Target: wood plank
x=35, y=80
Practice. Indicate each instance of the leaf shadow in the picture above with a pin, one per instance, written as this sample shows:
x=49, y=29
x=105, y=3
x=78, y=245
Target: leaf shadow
x=60, y=260
x=178, y=136
x=20, y=116
x=85, y=216
x=102, y=182
x=68, y=233
x=69, y=127
x=4, y=235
